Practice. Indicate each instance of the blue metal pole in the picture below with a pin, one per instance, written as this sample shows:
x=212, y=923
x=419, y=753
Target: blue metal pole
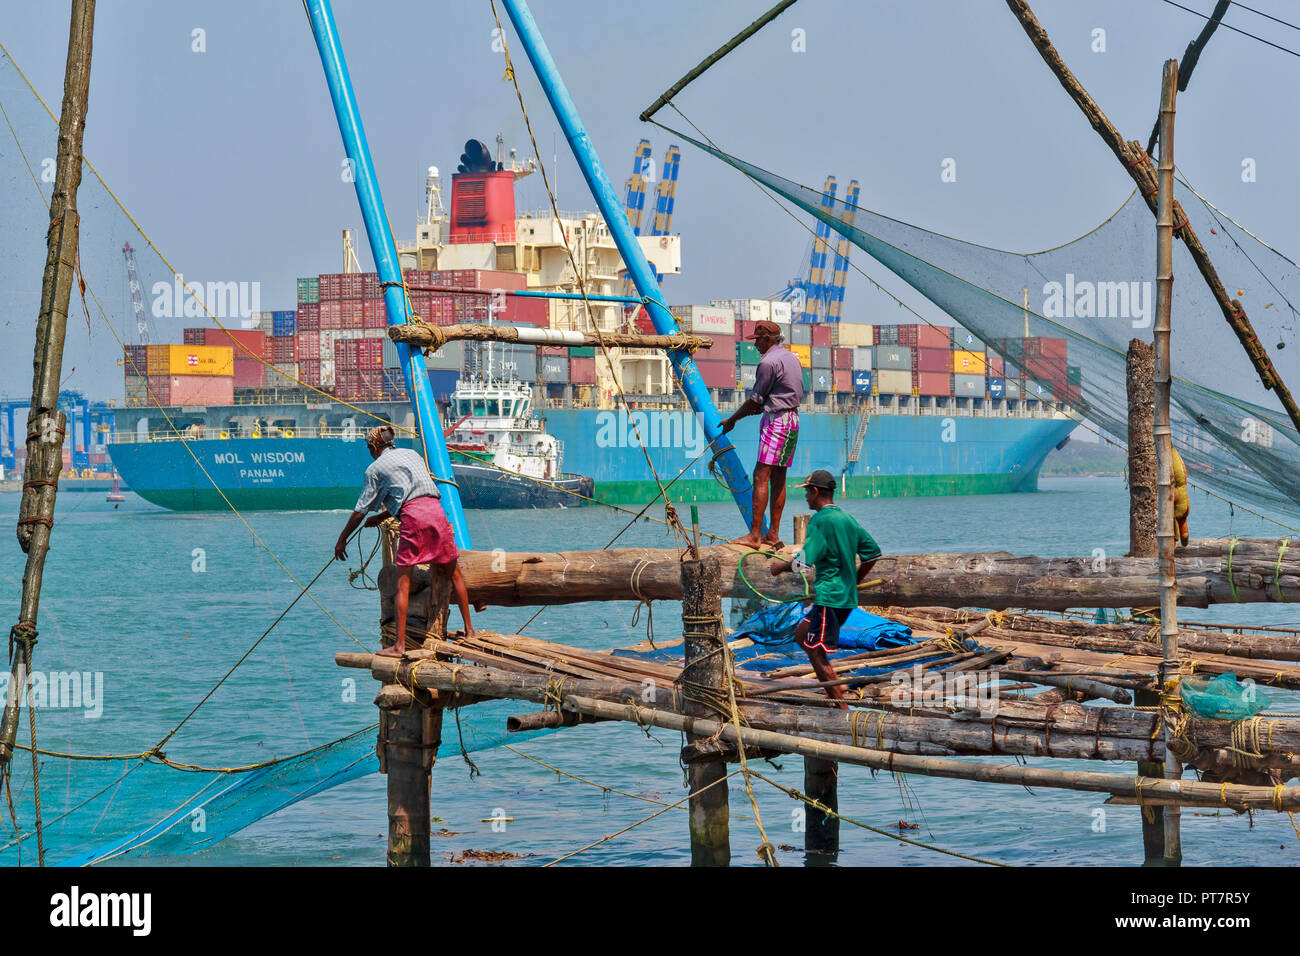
x=385, y=254
x=611, y=208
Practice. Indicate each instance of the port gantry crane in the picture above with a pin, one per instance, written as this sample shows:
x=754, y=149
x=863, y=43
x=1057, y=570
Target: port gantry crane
x=818, y=295
x=137, y=295
x=665, y=194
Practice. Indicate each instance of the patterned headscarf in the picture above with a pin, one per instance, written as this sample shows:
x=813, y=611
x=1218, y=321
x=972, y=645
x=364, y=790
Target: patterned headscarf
x=380, y=437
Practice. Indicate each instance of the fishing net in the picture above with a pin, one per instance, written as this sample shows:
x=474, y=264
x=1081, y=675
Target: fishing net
x=1062, y=318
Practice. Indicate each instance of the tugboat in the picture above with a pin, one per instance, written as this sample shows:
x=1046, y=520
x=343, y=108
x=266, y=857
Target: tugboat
x=491, y=423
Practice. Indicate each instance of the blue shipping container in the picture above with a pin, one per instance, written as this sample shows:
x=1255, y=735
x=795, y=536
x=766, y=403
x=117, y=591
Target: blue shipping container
x=996, y=388
x=284, y=323
x=861, y=382
x=443, y=382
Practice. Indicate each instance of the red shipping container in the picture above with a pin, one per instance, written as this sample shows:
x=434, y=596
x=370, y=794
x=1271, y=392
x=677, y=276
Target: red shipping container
x=933, y=383
x=252, y=340
x=351, y=314
x=374, y=314
x=932, y=360
x=307, y=347
x=249, y=373
x=309, y=316
x=842, y=359
x=996, y=367
x=309, y=372
x=370, y=285
x=1045, y=369
x=190, y=390
x=716, y=374
x=331, y=315
x=527, y=311
x=417, y=277
x=351, y=286
x=1055, y=348
x=821, y=336
x=925, y=336
x=345, y=355
x=723, y=349
x=331, y=287
x=745, y=329
x=582, y=371
x=370, y=353
x=843, y=378
x=195, y=337
x=552, y=350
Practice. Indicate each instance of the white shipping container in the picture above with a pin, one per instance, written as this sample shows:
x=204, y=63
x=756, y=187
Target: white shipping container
x=705, y=319
x=863, y=358
x=780, y=312
x=893, y=382
x=760, y=310
x=852, y=334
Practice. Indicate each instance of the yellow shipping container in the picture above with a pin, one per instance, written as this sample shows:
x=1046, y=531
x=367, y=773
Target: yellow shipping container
x=849, y=334
x=191, y=360
x=804, y=354
x=968, y=363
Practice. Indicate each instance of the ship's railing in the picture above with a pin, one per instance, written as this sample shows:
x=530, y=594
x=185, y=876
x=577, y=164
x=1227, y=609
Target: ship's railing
x=205, y=433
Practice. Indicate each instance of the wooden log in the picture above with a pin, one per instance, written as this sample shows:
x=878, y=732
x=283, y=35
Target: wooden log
x=1184, y=792
x=994, y=580
x=435, y=336
x=703, y=681
x=1139, y=369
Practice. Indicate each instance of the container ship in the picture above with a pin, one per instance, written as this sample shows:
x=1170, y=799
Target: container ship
x=892, y=409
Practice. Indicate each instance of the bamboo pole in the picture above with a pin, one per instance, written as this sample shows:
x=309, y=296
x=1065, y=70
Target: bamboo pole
x=436, y=336
x=703, y=680
x=45, y=423
x=1135, y=159
x=1165, y=533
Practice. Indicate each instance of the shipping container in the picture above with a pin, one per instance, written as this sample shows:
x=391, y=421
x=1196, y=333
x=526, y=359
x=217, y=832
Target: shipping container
x=249, y=373
x=307, y=347
x=723, y=349
x=996, y=368
x=1054, y=348
x=807, y=383
x=308, y=290
x=801, y=334
x=284, y=323
x=747, y=353
x=370, y=288
x=821, y=336
x=451, y=357
x=1073, y=375
x=1010, y=388
x=781, y=312
x=510, y=359
x=853, y=334
x=894, y=357
x=281, y=348
x=1045, y=368
x=351, y=286
x=194, y=336
x=924, y=336
x=309, y=317
x=716, y=374
x=704, y=319
x=197, y=360
x=282, y=375
x=862, y=381
x=331, y=287
x=997, y=388
x=803, y=353
x=891, y=381
x=821, y=356
x=842, y=379
x=968, y=363
x=886, y=335
x=192, y=390
x=821, y=380
x=554, y=369
x=582, y=371
x=136, y=393
x=934, y=360
x=966, y=340
x=443, y=383
x=863, y=357
x=245, y=342
x=747, y=373
x=933, y=383
x=968, y=386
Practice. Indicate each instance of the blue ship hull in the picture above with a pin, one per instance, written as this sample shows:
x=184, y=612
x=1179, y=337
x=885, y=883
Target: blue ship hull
x=901, y=455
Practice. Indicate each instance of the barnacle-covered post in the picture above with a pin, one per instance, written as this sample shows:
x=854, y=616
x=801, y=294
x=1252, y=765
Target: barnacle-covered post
x=703, y=688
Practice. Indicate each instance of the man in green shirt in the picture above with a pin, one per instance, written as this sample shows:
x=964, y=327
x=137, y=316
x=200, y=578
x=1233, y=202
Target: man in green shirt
x=835, y=541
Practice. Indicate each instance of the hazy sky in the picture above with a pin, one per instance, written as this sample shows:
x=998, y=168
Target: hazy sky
x=230, y=158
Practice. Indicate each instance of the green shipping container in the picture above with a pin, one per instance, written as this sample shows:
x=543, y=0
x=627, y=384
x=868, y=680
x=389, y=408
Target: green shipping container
x=583, y=351
x=309, y=290
x=1074, y=375
x=807, y=380
x=747, y=353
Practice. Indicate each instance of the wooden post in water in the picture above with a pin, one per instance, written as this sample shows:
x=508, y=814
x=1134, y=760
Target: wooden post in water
x=703, y=683
x=1165, y=533
x=410, y=723
x=1142, y=477
x=821, y=834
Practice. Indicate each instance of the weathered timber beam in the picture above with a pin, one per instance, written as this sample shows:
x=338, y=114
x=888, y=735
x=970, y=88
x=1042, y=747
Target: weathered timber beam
x=994, y=580
x=1020, y=728
x=436, y=336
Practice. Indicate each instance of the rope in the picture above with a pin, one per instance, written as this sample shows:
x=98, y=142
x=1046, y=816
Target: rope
x=740, y=570
x=36, y=767
x=1232, y=546
x=1277, y=570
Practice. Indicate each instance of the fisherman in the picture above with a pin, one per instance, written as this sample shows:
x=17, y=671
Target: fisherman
x=399, y=480
x=834, y=541
x=778, y=390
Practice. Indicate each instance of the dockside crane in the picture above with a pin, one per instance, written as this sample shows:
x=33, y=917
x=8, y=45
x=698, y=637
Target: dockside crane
x=634, y=199
x=818, y=294
x=840, y=272
x=137, y=294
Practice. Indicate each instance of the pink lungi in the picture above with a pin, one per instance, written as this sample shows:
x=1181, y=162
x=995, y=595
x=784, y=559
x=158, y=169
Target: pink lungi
x=426, y=536
x=778, y=433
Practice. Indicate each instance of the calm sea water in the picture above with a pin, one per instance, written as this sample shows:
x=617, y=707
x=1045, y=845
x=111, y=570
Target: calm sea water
x=163, y=604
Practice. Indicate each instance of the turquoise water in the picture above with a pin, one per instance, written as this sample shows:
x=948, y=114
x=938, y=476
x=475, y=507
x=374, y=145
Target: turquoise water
x=162, y=604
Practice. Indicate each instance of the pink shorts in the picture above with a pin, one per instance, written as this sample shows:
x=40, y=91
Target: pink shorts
x=426, y=536
x=778, y=433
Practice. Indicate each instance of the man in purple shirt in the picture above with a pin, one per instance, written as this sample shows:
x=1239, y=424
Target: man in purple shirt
x=778, y=390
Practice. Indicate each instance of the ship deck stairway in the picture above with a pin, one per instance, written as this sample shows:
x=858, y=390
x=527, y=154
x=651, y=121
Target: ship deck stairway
x=859, y=436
